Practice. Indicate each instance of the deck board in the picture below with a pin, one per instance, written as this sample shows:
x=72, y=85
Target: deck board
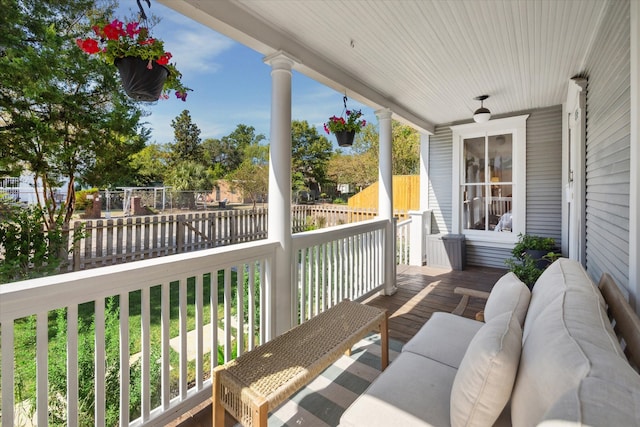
x=424, y=290
x=421, y=292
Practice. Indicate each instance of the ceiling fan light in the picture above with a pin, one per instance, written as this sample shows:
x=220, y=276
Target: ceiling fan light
x=482, y=115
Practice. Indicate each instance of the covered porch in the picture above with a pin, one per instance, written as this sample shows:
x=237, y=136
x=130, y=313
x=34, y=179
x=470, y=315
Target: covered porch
x=421, y=292
x=421, y=64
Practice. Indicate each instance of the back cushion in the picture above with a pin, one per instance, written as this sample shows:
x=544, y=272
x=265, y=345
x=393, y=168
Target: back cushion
x=484, y=381
x=508, y=294
x=563, y=274
x=570, y=339
x=598, y=402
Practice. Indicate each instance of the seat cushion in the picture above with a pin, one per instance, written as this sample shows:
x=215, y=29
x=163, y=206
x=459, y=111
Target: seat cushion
x=484, y=381
x=444, y=338
x=412, y=391
x=508, y=294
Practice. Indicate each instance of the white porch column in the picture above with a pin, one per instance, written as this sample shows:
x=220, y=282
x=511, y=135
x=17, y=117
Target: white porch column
x=421, y=219
x=424, y=171
x=385, y=197
x=281, y=314
x=634, y=202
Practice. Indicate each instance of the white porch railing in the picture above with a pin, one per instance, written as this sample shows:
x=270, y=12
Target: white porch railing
x=340, y=262
x=169, y=293
x=403, y=239
x=197, y=304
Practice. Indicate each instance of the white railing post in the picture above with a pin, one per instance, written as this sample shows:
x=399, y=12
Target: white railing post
x=420, y=227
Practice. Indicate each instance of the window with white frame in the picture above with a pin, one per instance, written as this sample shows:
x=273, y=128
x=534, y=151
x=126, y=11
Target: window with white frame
x=489, y=179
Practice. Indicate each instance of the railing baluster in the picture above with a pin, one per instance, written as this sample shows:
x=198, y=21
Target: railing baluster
x=42, y=345
x=251, y=303
x=240, y=308
x=227, y=314
x=99, y=367
x=199, y=323
x=183, y=338
x=145, y=322
x=213, y=311
x=8, y=371
x=72, y=365
x=165, y=333
x=125, y=358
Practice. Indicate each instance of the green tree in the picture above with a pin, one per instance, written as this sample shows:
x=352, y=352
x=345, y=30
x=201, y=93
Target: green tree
x=151, y=165
x=405, y=151
x=60, y=110
x=252, y=180
x=357, y=170
x=228, y=153
x=186, y=145
x=310, y=154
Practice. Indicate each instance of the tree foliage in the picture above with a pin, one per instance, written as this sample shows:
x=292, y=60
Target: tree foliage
x=150, y=164
x=310, y=154
x=252, y=180
x=60, y=111
x=226, y=154
x=186, y=144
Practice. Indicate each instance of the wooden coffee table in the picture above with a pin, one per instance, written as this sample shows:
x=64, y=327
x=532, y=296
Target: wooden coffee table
x=255, y=383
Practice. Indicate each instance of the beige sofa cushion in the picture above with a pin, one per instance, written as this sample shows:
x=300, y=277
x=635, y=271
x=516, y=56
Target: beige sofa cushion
x=508, y=294
x=599, y=402
x=560, y=276
x=567, y=340
x=434, y=339
x=412, y=391
x=484, y=381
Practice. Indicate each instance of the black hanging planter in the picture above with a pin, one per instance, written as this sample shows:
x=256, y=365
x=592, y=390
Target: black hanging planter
x=139, y=82
x=345, y=137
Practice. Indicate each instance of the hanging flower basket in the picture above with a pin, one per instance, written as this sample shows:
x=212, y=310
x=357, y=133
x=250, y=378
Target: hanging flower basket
x=142, y=80
x=143, y=63
x=345, y=137
x=345, y=128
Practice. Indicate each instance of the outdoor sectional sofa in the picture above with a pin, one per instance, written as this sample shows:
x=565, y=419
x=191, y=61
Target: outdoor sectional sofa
x=545, y=357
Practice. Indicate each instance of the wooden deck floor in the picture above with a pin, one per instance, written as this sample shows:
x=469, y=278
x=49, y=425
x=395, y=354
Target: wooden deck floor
x=421, y=292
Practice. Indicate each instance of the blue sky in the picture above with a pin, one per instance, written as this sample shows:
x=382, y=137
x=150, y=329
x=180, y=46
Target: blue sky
x=231, y=83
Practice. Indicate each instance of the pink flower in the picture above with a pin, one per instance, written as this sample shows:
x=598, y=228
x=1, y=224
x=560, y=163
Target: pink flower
x=132, y=29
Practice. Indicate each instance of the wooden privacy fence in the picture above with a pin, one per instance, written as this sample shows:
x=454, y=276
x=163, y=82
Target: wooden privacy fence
x=114, y=241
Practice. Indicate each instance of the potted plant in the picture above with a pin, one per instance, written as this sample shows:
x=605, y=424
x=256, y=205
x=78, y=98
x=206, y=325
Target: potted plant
x=531, y=256
x=345, y=128
x=142, y=62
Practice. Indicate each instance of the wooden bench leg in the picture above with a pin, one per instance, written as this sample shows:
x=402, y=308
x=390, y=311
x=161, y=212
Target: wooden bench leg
x=218, y=409
x=384, y=341
x=263, y=413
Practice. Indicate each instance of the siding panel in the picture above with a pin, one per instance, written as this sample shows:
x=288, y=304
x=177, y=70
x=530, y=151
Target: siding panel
x=440, y=170
x=608, y=147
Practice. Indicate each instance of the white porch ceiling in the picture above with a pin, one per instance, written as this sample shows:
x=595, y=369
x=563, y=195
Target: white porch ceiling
x=424, y=59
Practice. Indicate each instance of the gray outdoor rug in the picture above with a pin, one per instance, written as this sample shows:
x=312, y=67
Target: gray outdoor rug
x=322, y=402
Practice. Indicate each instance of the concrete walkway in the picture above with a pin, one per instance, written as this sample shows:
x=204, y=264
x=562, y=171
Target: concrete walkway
x=191, y=343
